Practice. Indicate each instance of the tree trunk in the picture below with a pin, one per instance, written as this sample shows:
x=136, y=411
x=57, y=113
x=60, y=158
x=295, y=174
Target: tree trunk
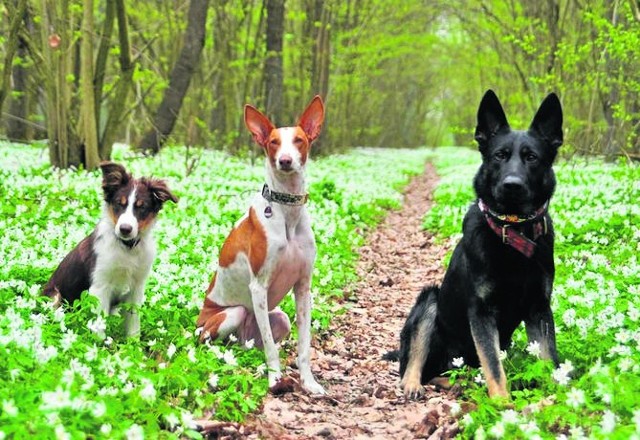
x=17, y=122
x=11, y=48
x=117, y=112
x=179, y=78
x=88, y=104
x=273, y=75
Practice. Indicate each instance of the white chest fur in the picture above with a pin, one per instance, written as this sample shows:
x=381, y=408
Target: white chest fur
x=120, y=272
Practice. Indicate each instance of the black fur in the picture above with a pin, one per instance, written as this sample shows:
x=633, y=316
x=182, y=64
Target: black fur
x=490, y=288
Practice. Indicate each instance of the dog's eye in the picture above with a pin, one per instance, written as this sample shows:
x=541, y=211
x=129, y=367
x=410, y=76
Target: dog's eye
x=530, y=157
x=275, y=142
x=500, y=155
x=297, y=140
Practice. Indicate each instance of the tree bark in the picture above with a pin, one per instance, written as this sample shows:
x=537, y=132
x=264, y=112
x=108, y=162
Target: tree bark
x=117, y=112
x=17, y=122
x=273, y=74
x=88, y=104
x=179, y=79
x=11, y=49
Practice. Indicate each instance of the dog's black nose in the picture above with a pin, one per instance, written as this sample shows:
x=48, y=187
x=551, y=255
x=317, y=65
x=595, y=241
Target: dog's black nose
x=513, y=183
x=125, y=229
x=285, y=162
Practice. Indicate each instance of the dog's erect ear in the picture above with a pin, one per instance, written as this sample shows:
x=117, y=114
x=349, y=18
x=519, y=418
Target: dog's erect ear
x=548, y=120
x=312, y=118
x=258, y=124
x=491, y=118
x=114, y=176
x=161, y=192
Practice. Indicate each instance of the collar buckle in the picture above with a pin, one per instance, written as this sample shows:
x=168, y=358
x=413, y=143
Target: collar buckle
x=505, y=234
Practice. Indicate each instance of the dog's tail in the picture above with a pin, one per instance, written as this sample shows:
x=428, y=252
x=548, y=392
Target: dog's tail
x=427, y=291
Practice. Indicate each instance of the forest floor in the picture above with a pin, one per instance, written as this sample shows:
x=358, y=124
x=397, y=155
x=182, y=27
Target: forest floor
x=363, y=398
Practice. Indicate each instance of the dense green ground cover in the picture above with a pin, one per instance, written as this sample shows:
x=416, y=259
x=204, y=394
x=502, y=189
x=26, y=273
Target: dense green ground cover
x=596, y=303
x=59, y=378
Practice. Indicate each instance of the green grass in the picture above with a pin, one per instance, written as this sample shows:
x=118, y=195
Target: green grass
x=596, y=303
x=59, y=378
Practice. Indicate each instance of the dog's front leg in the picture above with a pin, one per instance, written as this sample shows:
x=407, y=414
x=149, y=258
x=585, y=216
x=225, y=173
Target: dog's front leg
x=302, y=292
x=486, y=340
x=540, y=328
x=131, y=317
x=260, y=309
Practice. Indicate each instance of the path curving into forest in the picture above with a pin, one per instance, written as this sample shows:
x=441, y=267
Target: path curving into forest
x=364, y=399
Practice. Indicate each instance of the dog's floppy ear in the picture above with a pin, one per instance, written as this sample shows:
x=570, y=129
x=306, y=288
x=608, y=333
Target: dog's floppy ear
x=548, y=120
x=161, y=192
x=491, y=118
x=258, y=124
x=312, y=118
x=114, y=176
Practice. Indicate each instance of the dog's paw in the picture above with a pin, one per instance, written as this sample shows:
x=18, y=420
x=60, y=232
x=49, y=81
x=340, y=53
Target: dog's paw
x=274, y=378
x=313, y=387
x=413, y=389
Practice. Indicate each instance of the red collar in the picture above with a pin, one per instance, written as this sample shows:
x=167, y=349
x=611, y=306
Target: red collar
x=507, y=227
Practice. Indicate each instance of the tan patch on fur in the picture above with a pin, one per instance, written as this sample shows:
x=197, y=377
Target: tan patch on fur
x=112, y=215
x=303, y=146
x=249, y=238
x=417, y=356
x=147, y=222
x=211, y=317
x=497, y=385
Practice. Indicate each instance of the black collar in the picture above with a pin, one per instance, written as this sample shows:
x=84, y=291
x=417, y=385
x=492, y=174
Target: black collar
x=284, y=198
x=130, y=243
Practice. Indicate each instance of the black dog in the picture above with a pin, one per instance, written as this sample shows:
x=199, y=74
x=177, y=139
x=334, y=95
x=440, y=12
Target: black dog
x=501, y=272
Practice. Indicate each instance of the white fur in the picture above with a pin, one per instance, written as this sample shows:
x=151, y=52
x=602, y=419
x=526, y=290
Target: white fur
x=128, y=218
x=120, y=272
x=291, y=253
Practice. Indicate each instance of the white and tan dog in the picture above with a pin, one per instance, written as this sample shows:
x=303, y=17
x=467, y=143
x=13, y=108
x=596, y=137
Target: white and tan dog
x=270, y=251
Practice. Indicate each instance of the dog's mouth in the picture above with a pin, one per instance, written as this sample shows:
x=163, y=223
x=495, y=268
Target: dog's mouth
x=517, y=203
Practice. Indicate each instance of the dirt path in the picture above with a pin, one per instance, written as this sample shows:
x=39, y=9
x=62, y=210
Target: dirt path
x=364, y=399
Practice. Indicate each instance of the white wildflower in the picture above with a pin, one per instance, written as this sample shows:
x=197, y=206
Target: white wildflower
x=172, y=420
x=187, y=420
x=229, y=358
x=561, y=374
x=534, y=349
x=213, y=380
x=510, y=417
x=575, y=398
x=171, y=350
x=191, y=355
x=97, y=325
x=9, y=408
x=250, y=343
x=458, y=362
x=608, y=422
x=99, y=409
x=148, y=392
x=91, y=354
x=497, y=430
x=135, y=432
x=105, y=428
x=233, y=338
x=61, y=434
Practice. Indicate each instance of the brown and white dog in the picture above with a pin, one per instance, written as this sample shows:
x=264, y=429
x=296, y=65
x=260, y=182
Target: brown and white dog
x=113, y=263
x=270, y=251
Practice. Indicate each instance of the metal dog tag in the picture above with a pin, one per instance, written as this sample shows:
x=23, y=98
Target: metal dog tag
x=268, y=212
